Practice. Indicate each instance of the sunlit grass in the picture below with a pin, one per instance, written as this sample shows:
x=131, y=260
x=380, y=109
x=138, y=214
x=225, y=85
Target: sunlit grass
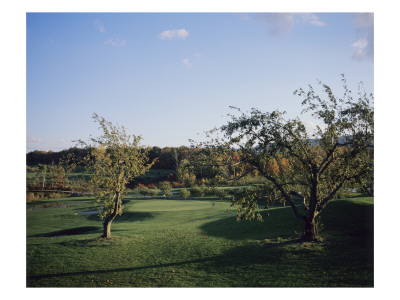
x=187, y=243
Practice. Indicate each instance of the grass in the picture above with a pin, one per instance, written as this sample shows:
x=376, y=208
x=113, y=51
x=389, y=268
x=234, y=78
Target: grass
x=188, y=243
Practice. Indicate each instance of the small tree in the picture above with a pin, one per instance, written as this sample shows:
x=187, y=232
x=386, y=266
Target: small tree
x=184, y=193
x=297, y=165
x=144, y=191
x=168, y=193
x=115, y=159
x=165, y=188
x=42, y=174
x=153, y=192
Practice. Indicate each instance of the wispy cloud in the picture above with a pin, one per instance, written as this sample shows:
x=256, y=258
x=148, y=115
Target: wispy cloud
x=33, y=139
x=280, y=24
x=174, y=34
x=115, y=42
x=364, y=46
x=187, y=62
x=312, y=19
x=311, y=127
x=99, y=26
x=361, y=48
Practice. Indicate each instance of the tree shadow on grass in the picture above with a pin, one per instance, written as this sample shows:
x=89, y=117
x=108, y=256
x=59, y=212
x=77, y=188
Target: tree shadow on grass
x=127, y=216
x=70, y=231
x=276, y=263
x=280, y=222
x=231, y=259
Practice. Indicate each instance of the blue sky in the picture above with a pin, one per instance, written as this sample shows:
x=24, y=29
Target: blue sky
x=170, y=76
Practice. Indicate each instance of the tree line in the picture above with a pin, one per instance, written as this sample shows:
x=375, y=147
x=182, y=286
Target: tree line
x=166, y=158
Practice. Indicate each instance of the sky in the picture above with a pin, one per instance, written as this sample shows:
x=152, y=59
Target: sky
x=171, y=76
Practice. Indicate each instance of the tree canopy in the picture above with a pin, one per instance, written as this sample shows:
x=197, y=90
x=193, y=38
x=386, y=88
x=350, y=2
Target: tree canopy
x=115, y=159
x=299, y=165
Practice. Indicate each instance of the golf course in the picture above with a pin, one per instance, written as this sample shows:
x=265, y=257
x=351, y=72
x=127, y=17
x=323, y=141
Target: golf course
x=197, y=243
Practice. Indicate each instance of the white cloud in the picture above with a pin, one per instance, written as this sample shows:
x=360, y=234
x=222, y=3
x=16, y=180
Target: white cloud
x=280, y=24
x=115, y=42
x=361, y=43
x=361, y=48
x=174, y=34
x=33, y=139
x=313, y=20
x=311, y=127
x=100, y=27
x=364, y=46
x=187, y=62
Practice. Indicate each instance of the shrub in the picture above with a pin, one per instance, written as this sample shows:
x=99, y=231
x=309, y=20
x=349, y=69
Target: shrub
x=165, y=187
x=198, y=191
x=153, y=192
x=144, y=191
x=176, y=184
x=220, y=193
x=140, y=186
x=184, y=193
x=30, y=197
x=212, y=191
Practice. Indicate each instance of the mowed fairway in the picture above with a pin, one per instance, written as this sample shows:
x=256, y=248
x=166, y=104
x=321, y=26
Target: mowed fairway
x=192, y=243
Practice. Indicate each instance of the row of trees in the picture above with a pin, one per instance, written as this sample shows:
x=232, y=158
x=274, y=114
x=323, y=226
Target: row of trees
x=167, y=158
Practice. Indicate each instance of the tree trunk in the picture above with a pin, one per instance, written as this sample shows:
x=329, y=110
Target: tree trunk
x=309, y=232
x=108, y=220
x=107, y=228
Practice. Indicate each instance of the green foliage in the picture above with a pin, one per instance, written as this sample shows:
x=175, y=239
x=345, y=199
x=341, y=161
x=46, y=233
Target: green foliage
x=198, y=191
x=153, y=192
x=144, y=191
x=221, y=193
x=296, y=163
x=166, y=188
x=184, y=193
x=185, y=173
x=168, y=193
x=116, y=158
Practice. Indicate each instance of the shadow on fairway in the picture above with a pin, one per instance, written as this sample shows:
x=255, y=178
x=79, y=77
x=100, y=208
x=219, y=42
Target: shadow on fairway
x=280, y=222
x=257, y=264
x=229, y=261
x=125, y=217
x=70, y=231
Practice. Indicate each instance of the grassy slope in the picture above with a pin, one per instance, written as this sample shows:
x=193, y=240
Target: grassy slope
x=195, y=243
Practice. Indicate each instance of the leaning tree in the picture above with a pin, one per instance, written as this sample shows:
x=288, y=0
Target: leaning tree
x=114, y=159
x=304, y=169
